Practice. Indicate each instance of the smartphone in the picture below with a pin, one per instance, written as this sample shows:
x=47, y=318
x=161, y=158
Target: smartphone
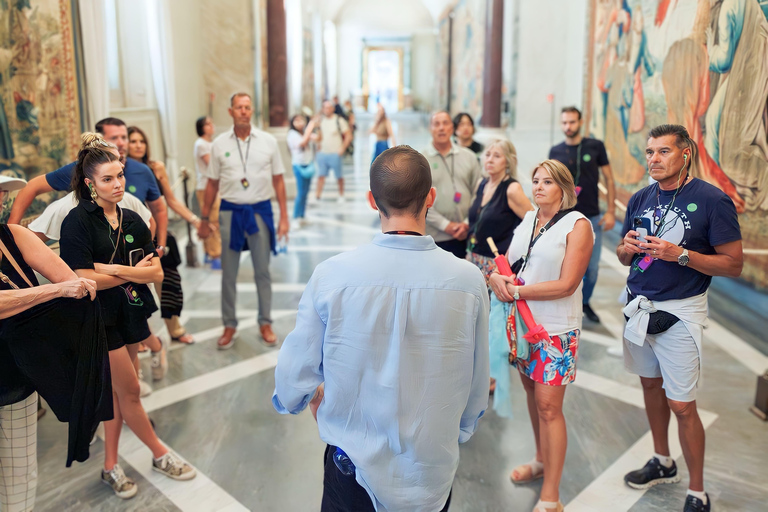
x=135, y=256
x=643, y=227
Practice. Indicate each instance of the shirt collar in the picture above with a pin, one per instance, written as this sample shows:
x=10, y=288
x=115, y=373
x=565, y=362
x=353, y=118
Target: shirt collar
x=405, y=242
x=432, y=150
x=93, y=207
x=252, y=134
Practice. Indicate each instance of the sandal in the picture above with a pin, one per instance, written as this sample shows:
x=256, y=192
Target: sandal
x=185, y=338
x=535, y=471
x=548, y=506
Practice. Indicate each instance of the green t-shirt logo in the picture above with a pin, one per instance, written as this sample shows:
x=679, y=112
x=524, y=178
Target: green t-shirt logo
x=132, y=189
x=129, y=239
x=226, y=154
x=587, y=158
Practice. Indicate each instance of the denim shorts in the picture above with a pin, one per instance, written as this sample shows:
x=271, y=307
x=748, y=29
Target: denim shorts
x=327, y=162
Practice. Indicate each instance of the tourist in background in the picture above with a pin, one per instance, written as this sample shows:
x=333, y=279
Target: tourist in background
x=499, y=206
x=299, y=139
x=382, y=128
x=455, y=174
x=464, y=129
x=212, y=244
x=335, y=137
x=170, y=291
x=544, y=240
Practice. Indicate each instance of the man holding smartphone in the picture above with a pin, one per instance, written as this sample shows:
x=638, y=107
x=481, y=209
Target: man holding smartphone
x=694, y=235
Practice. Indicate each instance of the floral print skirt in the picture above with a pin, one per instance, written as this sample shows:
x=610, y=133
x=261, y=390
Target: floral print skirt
x=552, y=362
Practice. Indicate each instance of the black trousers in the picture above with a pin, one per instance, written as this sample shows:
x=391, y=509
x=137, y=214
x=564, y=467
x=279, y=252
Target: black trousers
x=456, y=247
x=342, y=493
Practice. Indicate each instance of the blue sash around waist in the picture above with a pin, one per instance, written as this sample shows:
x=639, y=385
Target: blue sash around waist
x=244, y=221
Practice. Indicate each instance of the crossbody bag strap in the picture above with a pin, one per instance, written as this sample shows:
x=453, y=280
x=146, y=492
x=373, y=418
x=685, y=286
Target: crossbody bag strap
x=10, y=257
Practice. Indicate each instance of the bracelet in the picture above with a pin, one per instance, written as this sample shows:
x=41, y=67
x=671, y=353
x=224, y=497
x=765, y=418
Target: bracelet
x=205, y=218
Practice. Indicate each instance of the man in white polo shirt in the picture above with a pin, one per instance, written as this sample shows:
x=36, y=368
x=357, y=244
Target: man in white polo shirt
x=245, y=165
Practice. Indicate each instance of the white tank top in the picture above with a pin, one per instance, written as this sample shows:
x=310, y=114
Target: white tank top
x=557, y=316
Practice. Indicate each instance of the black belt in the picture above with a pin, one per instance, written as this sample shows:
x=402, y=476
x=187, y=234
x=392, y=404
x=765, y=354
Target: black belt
x=659, y=321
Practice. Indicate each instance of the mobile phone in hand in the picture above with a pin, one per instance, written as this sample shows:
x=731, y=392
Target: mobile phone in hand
x=135, y=256
x=643, y=227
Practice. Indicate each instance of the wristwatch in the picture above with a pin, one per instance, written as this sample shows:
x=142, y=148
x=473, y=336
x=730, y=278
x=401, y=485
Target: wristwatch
x=516, y=296
x=683, y=259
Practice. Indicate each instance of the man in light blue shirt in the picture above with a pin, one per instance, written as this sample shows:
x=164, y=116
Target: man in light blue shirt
x=391, y=341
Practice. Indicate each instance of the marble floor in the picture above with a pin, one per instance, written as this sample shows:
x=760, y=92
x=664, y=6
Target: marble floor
x=214, y=409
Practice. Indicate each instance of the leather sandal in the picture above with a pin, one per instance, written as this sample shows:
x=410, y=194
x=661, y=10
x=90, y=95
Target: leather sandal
x=532, y=475
x=540, y=506
x=185, y=338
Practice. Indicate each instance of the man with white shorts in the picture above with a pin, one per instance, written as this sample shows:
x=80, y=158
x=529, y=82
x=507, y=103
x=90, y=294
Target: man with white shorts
x=678, y=233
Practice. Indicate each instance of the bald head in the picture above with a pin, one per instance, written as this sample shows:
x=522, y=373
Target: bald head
x=400, y=181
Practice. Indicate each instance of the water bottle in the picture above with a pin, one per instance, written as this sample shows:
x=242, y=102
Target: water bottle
x=343, y=462
x=282, y=246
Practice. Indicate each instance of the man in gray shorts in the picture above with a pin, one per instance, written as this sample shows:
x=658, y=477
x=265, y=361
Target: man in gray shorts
x=678, y=233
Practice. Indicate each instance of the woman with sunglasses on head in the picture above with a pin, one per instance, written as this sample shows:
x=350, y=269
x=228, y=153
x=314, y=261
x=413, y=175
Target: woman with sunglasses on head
x=170, y=292
x=113, y=247
x=67, y=365
x=549, y=252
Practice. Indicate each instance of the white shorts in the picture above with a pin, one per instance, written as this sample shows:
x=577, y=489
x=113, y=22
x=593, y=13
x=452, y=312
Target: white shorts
x=671, y=355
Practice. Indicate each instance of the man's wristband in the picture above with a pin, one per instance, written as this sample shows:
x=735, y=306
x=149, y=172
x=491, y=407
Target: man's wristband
x=204, y=218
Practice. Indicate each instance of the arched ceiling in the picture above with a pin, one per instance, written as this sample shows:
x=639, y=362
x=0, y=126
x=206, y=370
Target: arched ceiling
x=330, y=9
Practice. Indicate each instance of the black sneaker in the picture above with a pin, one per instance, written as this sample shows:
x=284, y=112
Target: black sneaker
x=694, y=504
x=653, y=473
x=590, y=314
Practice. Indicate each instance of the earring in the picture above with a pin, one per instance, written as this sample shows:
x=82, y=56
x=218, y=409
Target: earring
x=94, y=195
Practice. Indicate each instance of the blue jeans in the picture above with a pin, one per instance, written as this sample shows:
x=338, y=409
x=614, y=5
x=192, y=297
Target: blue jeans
x=302, y=191
x=590, y=278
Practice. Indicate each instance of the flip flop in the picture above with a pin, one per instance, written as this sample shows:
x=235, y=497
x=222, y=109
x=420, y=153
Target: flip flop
x=533, y=476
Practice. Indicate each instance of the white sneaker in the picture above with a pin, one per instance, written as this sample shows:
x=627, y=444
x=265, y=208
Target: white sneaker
x=144, y=389
x=173, y=467
x=340, y=200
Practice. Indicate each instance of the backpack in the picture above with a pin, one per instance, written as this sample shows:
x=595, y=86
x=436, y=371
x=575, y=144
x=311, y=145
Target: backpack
x=351, y=148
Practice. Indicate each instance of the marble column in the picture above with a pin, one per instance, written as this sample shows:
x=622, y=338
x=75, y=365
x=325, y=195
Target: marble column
x=494, y=40
x=277, y=64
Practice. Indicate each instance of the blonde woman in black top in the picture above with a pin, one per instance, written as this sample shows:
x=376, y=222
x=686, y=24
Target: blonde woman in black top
x=113, y=247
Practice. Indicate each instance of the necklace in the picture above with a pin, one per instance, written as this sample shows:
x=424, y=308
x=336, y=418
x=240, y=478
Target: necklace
x=112, y=222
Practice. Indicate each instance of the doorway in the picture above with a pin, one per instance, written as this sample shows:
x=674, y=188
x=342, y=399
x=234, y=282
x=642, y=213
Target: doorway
x=383, y=78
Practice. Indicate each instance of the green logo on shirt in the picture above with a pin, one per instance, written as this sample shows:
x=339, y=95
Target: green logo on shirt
x=226, y=154
x=129, y=239
x=435, y=165
x=693, y=207
x=586, y=158
x=132, y=189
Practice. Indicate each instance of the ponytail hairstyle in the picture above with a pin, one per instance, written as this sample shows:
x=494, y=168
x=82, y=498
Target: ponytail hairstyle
x=94, y=152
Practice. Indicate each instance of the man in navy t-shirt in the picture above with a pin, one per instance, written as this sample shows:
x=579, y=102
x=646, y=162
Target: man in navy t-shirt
x=678, y=233
x=139, y=181
x=586, y=159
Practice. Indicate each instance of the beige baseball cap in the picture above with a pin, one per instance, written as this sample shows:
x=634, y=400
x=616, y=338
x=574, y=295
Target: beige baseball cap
x=10, y=184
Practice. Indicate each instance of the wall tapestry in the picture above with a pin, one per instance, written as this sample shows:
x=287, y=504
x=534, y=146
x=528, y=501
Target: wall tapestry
x=39, y=99
x=699, y=63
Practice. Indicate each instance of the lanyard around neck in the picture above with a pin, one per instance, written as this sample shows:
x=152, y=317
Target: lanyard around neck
x=578, y=164
x=244, y=161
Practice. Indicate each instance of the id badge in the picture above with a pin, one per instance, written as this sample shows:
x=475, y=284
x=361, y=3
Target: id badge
x=578, y=191
x=457, y=197
x=245, y=183
x=644, y=263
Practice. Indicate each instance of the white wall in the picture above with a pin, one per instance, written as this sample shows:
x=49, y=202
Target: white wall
x=551, y=58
